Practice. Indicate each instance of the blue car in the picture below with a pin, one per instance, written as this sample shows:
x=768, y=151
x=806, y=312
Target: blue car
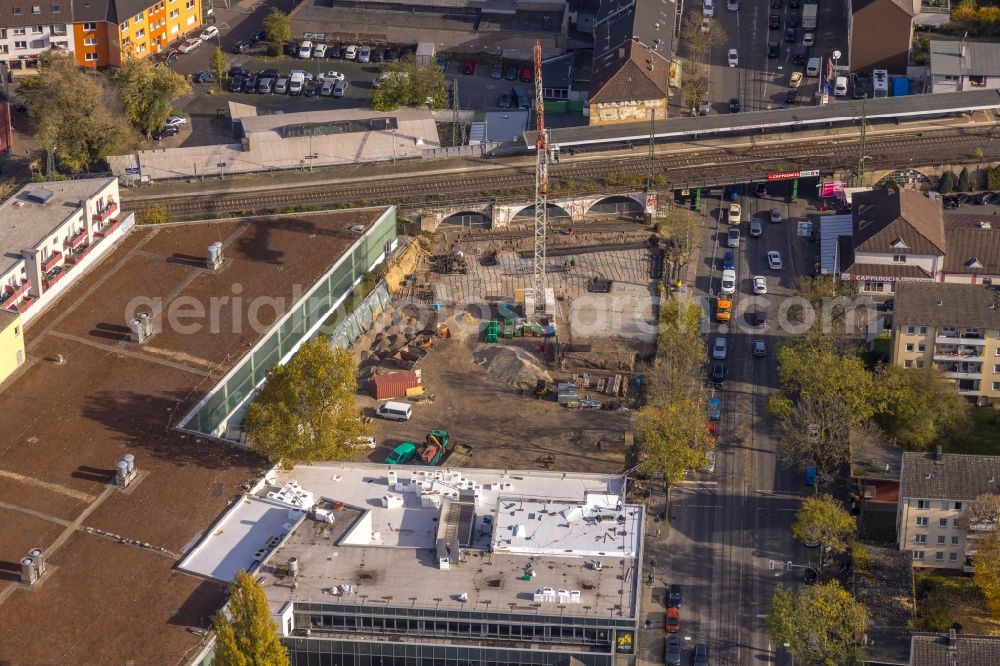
x=714, y=409
x=729, y=262
x=811, y=475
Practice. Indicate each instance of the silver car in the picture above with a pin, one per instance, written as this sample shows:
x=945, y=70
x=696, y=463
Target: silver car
x=364, y=54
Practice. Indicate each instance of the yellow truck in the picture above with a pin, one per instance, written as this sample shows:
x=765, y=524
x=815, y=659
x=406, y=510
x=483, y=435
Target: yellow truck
x=723, y=308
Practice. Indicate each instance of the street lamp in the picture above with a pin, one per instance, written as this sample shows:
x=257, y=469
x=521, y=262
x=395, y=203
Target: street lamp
x=836, y=60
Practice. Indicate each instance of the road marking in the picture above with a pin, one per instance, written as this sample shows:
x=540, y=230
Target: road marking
x=54, y=487
x=36, y=514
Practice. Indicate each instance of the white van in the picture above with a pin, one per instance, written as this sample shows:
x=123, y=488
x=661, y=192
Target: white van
x=394, y=411
x=295, y=83
x=812, y=67
x=840, y=86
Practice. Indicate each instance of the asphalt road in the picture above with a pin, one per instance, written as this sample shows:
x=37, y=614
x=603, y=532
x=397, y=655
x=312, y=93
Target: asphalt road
x=725, y=527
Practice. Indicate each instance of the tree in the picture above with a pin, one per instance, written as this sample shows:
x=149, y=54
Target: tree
x=922, y=407
x=823, y=520
x=983, y=510
x=680, y=353
x=821, y=624
x=993, y=178
x=986, y=575
x=947, y=183
x=674, y=438
x=247, y=636
x=219, y=66
x=694, y=89
x=72, y=115
x=681, y=229
x=964, y=181
x=406, y=83
x=700, y=42
x=147, y=93
x=813, y=434
x=306, y=410
x=277, y=29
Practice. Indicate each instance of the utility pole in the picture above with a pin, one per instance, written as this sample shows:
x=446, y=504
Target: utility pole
x=541, y=181
x=457, y=126
x=651, y=165
x=861, y=143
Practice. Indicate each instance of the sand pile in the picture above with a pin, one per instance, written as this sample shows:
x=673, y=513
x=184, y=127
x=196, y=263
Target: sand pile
x=510, y=365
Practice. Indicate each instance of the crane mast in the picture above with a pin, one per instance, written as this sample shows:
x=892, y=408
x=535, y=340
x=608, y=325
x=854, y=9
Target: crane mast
x=541, y=182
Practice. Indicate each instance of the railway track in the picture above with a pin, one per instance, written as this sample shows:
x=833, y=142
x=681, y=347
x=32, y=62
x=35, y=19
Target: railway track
x=588, y=176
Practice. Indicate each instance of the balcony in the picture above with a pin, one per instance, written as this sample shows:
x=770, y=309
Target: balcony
x=957, y=352
x=107, y=229
x=76, y=256
x=956, y=340
x=74, y=241
x=23, y=305
x=105, y=213
x=935, y=6
x=53, y=276
x=51, y=262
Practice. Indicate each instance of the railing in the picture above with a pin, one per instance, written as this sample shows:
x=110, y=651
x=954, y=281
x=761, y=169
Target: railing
x=74, y=241
x=935, y=6
x=107, y=229
x=50, y=263
x=106, y=212
x=956, y=340
x=72, y=258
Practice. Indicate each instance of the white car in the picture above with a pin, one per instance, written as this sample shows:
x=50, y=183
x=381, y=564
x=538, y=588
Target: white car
x=774, y=260
x=708, y=9
x=729, y=280
x=319, y=51
x=710, y=467
x=364, y=54
x=339, y=88
x=211, y=32
x=330, y=76
x=734, y=58
x=305, y=49
x=175, y=121
x=719, y=349
x=351, y=52
x=733, y=238
x=775, y=216
x=306, y=76
x=808, y=39
x=706, y=24
x=189, y=45
x=759, y=284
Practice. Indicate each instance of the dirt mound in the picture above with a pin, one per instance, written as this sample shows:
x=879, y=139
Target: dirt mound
x=511, y=365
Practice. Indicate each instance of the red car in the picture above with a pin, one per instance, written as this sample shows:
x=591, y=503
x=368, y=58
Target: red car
x=526, y=74
x=713, y=430
x=673, y=620
x=469, y=66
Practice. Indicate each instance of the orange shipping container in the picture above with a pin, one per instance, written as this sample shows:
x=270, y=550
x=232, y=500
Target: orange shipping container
x=395, y=384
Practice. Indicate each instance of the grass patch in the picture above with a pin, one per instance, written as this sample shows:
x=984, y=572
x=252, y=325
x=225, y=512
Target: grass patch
x=877, y=528
x=947, y=600
x=985, y=437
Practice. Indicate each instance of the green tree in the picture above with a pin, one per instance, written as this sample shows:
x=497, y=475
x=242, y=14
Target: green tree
x=821, y=625
x=680, y=228
x=674, y=438
x=147, y=93
x=306, y=411
x=219, y=66
x=813, y=434
x=406, y=83
x=823, y=520
x=694, y=89
x=947, y=183
x=700, y=42
x=986, y=576
x=993, y=178
x=72, y=115
x=964, y=181
x=681, y=353
x=277, y=29
x=247, y=636
x=922, y=407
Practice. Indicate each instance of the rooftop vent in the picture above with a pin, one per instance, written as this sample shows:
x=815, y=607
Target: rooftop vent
x=973, y=263
x=985, y=224
x=989, y=479
x=940, y=303
x=40, y=195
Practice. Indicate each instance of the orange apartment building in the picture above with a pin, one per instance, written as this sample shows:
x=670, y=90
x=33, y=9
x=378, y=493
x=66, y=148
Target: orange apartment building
x=106, y=30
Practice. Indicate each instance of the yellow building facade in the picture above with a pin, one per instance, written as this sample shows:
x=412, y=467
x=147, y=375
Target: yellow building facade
x=11, y=343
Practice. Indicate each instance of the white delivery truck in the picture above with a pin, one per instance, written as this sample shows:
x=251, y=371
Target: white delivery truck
x=809, y=17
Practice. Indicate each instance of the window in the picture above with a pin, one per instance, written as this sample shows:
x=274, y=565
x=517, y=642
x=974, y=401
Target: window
x=907, y=364
x=18, y=31
x=36, y=9
x=918, y=554
x=923, y=504
x=90, y=26
x=190, y=20
x=17, y=10
x=138, y=17
x=90, y=57
x=920, y=538
x=876, y=287
x=20, y=45
x=958, y=506
x=910, y=330
x=996, y=386
x=921, y=347
x=899, y=258
x=921, y=522
x=17, y=331
x=189, y=4
x=940, y=541
x=920, y=362
x=176, y=12
x=955, y=522
x=36, y=29
x=124, y=26
x=939, y=556
x=56, y=9
x=954, y=541
x=174, y=30
x=977, y=81
x=909, y=347
x=141, y=32
x=90, y=41
x=942, y=522
x=953, y=557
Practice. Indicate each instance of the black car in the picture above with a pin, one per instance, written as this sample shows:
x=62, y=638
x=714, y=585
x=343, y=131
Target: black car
x=790, y=35
x=510, y=73
x=203, y=77
x=496, y=72
x=774, y=22
x=772, y=49
x=291, y=49
x=761, y=192
x=392, y=53
x=236, y=84
x=378, y=55
x=241, y=46
x=258, y=36
x=859, y=86
x=269, y=73
x=165, y=132
x=791, y=97
x=700, y=655
x=775, y=4
x=951, y=203
x=982, y=198
x=250, y=85
x=236, y=70
x=734, y=105
x=719, y=374
x=757, y=318
x=333, y=53
x=312, y=88
x=672, y=657
x=674, y=597
x=793, y=19
x=504, y=102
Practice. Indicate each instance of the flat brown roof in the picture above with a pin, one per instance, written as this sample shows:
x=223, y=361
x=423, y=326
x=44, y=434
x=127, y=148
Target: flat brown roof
x=105, y=599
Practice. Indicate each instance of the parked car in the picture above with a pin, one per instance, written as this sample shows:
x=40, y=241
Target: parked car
x=364, y=54
x=756, y=228
x=774, y=22
x=709, y=467
x=708, y=8
x=700, y=655
x=442, y=63
x=469, y=66
x=378, y=55
x=312, y=88
x=319, y=51
x=334, y=52
x=402, y=454
x=774, y=260
x=714, y=414
x=189, y=45
x=339, y=88
x=331, y=76
x=719, y=348
x=735, y=213
x=204, y=76
x=266, y=85
x=296, y=83
x=729, y=282
x=791, y=35
x=305, y=49
x=733, y=238
x=729, y=261
x=496, y=72
x=733, y=57
x=392, y=53
x=242, y=46
x=281, y=85
x=672, y=655
x=236, y=84
x=237, y=70
x=527, y=75
x=165, y=132
x=327, y=88
x=759, y=284
x=250, y=83
x=761, y=190
x=734, y=105
x=759, y=348
x=772, y=50
x=175, y=121
x=673, y=621
x=795, y=80
x=350, y=52
x=776, y=216
x=718, y=374
x=504, y=102
x=510, y=73
x=211, y=32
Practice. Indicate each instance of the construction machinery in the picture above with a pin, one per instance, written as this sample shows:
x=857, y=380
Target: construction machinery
x=539, y=388
x=541, y=182
x=434, y=447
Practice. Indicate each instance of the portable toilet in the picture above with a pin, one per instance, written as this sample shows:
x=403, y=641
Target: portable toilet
x=900, y=86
